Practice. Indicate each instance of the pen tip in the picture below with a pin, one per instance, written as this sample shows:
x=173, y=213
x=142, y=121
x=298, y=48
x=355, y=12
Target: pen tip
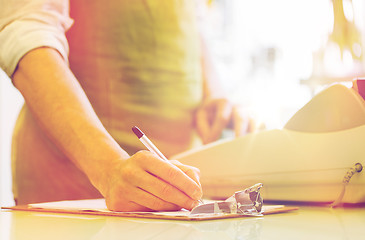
x=138, y=132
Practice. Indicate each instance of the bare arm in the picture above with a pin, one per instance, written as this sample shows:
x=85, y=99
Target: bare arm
x=140, y=182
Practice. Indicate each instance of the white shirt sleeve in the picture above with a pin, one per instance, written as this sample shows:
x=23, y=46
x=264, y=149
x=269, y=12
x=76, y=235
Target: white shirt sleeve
x=27, y=25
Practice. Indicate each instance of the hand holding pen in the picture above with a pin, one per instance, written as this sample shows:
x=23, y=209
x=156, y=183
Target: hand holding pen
x=150, y=146
x=146, y=182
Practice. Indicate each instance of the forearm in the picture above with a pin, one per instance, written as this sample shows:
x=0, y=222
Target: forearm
x=64, y=113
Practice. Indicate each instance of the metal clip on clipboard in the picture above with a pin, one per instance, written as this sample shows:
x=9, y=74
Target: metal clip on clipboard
x=246, y=202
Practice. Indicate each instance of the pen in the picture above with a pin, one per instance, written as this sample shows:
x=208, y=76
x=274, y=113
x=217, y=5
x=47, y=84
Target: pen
x=150, y=146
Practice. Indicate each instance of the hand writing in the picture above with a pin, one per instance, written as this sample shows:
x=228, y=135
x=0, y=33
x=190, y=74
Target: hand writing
x=144, y=182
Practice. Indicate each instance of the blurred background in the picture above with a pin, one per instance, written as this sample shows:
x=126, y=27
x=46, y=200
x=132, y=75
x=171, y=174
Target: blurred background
x=272, y=57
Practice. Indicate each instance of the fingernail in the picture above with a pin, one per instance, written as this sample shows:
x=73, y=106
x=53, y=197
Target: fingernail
x=197, y=194
x=194, y=204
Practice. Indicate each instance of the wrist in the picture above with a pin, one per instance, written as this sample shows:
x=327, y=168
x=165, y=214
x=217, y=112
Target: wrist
x=101, y=161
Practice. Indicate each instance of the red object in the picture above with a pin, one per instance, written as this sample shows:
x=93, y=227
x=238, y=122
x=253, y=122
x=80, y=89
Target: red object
x=360, y=86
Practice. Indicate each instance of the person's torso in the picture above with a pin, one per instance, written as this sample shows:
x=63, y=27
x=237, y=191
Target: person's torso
x=139, y=63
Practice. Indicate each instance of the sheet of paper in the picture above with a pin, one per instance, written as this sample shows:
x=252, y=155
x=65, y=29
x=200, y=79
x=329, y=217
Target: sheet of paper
x=95, y=205
x=87, y=204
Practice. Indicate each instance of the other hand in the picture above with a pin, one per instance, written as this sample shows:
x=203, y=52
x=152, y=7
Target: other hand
x=217, y=114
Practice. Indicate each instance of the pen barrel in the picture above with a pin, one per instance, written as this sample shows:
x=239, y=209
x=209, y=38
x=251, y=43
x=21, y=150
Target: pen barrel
x=152, y=147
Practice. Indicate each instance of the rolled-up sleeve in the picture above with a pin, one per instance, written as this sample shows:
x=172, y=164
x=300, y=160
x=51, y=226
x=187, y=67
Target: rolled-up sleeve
x=27, y=25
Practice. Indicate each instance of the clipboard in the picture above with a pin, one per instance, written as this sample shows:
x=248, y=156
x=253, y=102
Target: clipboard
x=98, y=207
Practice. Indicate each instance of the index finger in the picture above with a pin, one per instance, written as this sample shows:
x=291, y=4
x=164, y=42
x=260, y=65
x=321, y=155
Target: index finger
x=192, y=172
x=174, y=176
x=202, y=125
x=240, y=124
x=222, y=117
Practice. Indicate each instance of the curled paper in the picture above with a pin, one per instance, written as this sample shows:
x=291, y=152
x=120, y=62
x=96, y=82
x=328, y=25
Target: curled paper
x=245, y=202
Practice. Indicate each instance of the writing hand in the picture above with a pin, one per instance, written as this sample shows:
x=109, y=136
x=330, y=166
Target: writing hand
x=145, y=182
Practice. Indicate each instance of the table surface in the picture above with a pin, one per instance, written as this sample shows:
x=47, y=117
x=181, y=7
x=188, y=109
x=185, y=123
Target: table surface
x=305, y=223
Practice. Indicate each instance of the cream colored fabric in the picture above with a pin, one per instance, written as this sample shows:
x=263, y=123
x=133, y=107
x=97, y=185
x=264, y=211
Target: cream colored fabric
x=139, y=64
x=25, y=25
x=335, y=109
x=305, y=161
